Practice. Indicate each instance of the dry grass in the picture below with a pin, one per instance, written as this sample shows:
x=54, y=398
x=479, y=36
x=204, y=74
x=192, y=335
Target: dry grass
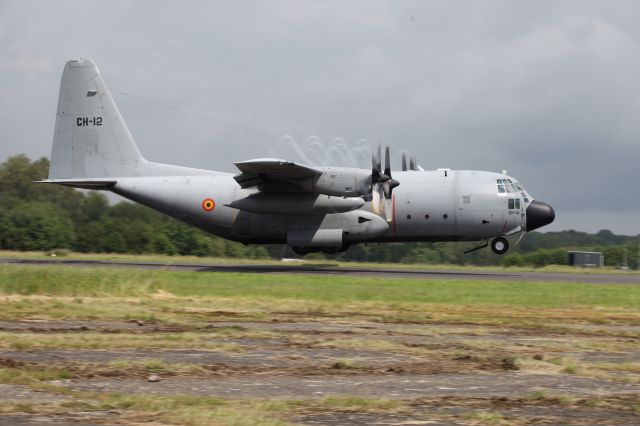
x=91, y=340
x=451, y=326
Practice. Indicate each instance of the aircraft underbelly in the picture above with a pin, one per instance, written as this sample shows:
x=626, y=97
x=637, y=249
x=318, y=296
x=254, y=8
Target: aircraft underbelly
x=195, y=200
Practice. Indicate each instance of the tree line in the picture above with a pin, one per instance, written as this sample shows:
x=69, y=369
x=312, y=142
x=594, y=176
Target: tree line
x=48, y=217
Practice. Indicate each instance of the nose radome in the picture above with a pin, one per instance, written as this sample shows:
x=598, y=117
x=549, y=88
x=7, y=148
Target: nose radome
x=539, y=214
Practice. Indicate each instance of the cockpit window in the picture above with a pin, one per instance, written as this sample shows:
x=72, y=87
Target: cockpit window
x=508, y=186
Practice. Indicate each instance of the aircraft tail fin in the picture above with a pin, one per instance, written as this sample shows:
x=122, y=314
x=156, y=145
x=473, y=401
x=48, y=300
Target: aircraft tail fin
x=91, y=139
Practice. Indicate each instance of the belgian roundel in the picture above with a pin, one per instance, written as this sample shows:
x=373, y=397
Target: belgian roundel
x=208, y=204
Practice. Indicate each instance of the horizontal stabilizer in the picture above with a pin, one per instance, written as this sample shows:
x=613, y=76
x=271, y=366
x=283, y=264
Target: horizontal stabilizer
x=82, y=183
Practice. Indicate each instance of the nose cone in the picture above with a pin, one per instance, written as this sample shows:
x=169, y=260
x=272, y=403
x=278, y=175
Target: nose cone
x=539, y=214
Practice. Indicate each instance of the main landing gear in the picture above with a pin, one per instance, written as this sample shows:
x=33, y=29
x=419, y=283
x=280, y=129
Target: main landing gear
x=500, y=245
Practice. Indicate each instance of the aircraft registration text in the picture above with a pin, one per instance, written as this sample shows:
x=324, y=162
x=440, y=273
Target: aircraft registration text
x=89, y=121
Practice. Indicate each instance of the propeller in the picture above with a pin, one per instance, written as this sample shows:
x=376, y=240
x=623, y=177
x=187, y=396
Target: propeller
x=382, y=182
x=389, y=183
x=412, y=164
x=383, y=178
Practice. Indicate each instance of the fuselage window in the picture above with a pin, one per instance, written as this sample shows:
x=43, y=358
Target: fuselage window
x=426, y=216
x=511, y=204
x=526, y=200
x=466, y=199
x=517, y=203
x=444, y=216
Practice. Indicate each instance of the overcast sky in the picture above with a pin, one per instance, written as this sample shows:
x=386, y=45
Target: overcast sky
x=549, y=90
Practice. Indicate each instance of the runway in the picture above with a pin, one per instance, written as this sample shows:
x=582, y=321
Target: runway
x=331, y=269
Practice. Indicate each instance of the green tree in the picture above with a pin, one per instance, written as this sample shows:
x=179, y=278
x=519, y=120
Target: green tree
x=35, y=226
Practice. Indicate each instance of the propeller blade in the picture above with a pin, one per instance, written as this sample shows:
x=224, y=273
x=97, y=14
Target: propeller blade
x=378, y=200
x=376, y=166
x=404, y=161
x=387, y=162
x=412, y=164
x=388, y=209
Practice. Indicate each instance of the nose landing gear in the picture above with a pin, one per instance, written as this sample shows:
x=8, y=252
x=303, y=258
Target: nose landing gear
x=500, y=245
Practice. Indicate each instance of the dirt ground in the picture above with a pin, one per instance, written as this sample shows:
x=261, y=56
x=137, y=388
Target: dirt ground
x=440, y=374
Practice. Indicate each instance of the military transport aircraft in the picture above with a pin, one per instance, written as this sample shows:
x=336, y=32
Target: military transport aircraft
x=311, y=209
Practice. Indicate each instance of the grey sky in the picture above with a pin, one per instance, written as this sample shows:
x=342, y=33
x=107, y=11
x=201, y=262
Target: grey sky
x=548, y=89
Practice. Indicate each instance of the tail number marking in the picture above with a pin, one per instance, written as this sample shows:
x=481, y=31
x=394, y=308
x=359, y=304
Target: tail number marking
x=88, y=121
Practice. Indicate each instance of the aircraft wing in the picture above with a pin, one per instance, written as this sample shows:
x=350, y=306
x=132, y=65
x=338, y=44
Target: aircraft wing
x=269, y=170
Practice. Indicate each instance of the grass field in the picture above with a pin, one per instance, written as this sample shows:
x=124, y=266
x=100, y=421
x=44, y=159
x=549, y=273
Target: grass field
x=169, y=260
x=87, y=339
x=68, y=281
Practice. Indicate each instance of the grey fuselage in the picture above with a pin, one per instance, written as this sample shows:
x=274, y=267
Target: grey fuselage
x=442, y=205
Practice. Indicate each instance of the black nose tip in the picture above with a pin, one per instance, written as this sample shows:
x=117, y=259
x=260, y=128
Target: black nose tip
x=539, y=214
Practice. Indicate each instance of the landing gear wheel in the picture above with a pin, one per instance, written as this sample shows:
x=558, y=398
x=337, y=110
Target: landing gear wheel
x=500, y=245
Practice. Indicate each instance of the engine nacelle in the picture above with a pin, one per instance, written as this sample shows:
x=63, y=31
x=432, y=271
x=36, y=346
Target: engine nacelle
x=338, y=181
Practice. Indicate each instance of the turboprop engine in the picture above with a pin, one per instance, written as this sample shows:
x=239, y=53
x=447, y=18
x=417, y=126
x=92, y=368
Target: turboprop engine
x=272, y=175
x=351, y=182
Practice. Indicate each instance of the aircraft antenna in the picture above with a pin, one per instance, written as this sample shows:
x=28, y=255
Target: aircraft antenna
x=198, y=116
